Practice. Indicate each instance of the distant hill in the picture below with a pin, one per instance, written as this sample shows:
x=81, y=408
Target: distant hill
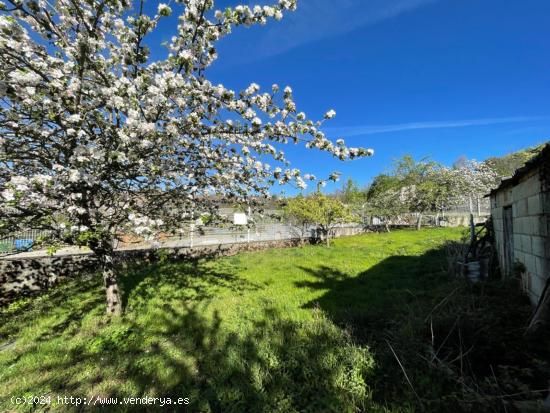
x=506, y=165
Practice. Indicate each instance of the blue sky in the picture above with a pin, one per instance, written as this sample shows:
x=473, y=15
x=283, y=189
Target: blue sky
x=439, y=78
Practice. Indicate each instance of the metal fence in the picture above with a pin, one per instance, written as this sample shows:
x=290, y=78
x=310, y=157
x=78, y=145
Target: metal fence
x=21, y=241
x=192, y=237
x=204, y=236
x=478, y=206
x=265, y=228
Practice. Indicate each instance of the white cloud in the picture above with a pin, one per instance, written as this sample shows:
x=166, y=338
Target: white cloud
x=371, y=130
x=320, y=19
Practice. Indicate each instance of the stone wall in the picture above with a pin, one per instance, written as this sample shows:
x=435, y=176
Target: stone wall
x=530, y=227
x=463, y=220
x=30, y=276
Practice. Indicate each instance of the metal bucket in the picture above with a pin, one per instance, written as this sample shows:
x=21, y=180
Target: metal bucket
x=473, y=271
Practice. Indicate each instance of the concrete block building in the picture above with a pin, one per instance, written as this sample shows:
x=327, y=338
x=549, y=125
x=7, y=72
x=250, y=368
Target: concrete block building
x=520, y=208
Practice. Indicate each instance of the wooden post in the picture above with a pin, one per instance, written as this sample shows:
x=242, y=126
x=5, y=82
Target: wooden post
x=472, y=229
x=541, y=316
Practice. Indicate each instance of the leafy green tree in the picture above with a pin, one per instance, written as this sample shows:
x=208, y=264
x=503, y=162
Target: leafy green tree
x=384, y=199
x=426, y=186
x=293, y=213
x=420, y=188
x=320, y=210
x=351, y=193
x=353, y=196
x=412, y=186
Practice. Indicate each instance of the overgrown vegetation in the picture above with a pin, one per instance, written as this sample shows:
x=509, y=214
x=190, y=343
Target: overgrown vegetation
x=506, y=165
x=464, y=350
x=302, y=329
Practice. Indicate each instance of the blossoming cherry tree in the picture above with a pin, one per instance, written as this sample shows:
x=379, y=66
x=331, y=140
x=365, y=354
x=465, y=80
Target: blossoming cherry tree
x=98, y=139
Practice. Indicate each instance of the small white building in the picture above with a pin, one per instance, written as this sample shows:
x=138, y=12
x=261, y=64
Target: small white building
x=520, y=208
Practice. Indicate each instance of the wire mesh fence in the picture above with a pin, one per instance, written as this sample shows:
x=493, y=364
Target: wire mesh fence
x=193, y=236
x=265, y=228
x=204, y=236
x=21, y=241
x=479, y=206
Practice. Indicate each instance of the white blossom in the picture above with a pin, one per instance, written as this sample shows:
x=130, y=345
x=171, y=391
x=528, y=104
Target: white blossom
x=164, y=10
x=330, y=114
x=74, y=118
x=8, y=195
x=130, y=141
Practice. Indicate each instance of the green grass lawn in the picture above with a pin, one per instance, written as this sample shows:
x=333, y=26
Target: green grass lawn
x=259, y=331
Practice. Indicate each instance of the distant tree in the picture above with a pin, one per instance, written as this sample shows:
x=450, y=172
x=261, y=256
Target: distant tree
x=385, y=200
x=427, y=186
x=321, y=210
x=443, y=190
x=420, y=188
x=353, y=196
x=435, y=187
x=471, y=180
x=350, y=192
x=293, y=212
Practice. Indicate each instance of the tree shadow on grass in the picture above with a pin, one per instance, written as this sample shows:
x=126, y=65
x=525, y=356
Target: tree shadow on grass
x=170, y=345
x=70, y=301
x=374, y=296
x=385, y=303
x=62, y=300
x=192, y=279
x=274, y=365
x=439, y=344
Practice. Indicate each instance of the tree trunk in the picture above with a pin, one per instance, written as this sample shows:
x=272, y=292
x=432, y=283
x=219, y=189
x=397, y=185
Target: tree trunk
x=387, y=225
x=326, y=234
x=419, y=222
x=112, y=291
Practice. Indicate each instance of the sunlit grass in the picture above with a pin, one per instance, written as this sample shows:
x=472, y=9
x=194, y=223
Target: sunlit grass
x=258, y=331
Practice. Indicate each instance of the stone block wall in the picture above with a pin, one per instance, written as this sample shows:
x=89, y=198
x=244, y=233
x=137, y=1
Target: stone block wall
x=531, y=232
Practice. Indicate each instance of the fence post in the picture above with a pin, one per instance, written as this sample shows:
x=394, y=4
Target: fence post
x=248, y=227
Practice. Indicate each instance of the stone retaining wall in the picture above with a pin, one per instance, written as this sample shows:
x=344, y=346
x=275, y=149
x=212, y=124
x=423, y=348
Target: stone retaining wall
x=30, y=276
